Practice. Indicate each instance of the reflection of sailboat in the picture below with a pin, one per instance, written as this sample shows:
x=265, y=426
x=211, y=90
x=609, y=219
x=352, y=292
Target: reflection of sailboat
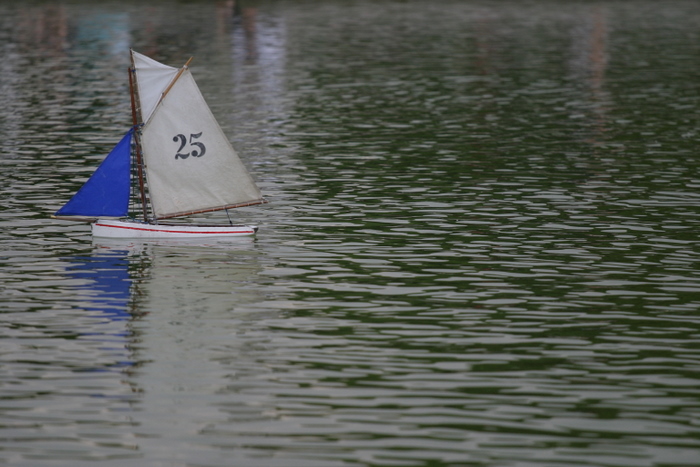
x=102, y=290
x=181, y=277
x=184, y=164
x=197, y=293
x=200, y=305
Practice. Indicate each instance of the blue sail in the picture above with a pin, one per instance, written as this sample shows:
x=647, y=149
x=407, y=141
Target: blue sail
x=106, y=193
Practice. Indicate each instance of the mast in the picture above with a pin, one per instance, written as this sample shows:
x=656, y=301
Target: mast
x=137, y=120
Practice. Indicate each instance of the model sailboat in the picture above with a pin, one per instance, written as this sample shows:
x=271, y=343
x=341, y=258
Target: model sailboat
x=175, y=161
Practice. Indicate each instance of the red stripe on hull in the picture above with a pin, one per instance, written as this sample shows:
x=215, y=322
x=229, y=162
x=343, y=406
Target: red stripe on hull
x=207, y=232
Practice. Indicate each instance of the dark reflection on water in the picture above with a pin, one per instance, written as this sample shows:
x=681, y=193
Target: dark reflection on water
x=481, y=247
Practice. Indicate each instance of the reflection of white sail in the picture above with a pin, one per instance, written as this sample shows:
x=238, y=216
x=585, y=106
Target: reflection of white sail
x=190, y=163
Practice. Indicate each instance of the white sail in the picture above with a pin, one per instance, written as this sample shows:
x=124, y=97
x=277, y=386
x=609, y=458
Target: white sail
x=190, y=164
x=153, y=79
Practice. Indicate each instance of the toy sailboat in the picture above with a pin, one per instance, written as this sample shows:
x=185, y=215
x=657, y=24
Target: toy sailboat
x=175, y=161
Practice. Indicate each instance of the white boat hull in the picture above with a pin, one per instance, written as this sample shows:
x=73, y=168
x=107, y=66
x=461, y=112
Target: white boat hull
x=130, y=229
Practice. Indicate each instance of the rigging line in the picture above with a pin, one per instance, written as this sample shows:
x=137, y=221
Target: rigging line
x=132, y=176
x=229, y=217
x=137, y=121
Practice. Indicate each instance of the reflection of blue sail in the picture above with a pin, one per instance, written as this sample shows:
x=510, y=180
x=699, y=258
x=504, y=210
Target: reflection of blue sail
x=104, y=293
x=108, y=279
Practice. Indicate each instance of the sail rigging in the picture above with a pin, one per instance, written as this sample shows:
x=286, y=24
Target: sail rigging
x=137, y=175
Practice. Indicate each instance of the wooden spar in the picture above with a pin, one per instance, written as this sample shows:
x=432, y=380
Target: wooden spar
x=218, y=208
x=136, y=117
x=177, y=76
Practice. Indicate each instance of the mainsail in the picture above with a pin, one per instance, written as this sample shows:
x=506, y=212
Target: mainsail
x=106, y=193
x=191, y=166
